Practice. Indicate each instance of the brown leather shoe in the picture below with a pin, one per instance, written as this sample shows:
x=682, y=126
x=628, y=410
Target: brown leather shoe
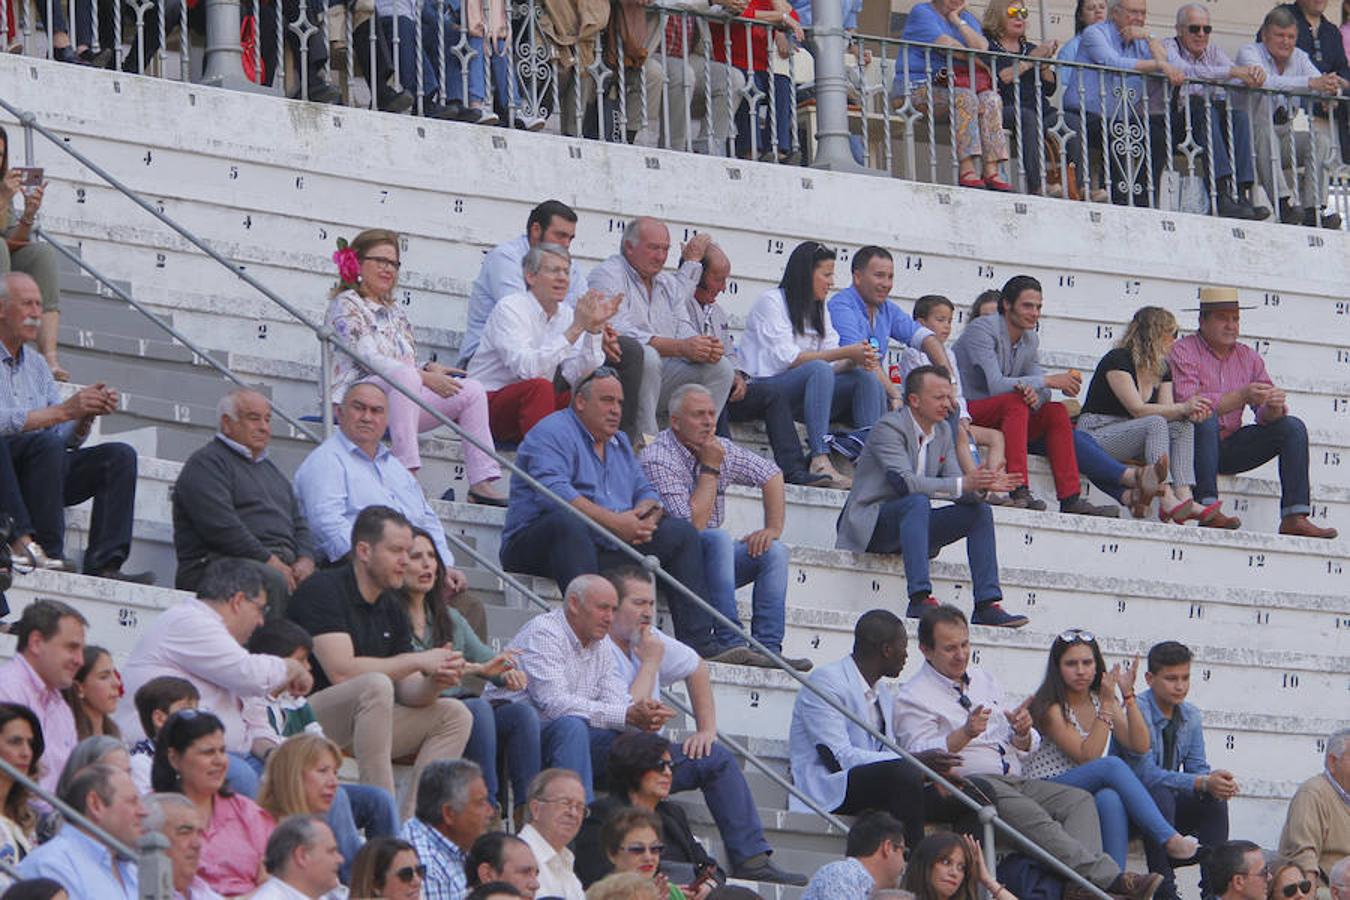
x=1302, y=526
x=1135, y=885
x=1217, y=519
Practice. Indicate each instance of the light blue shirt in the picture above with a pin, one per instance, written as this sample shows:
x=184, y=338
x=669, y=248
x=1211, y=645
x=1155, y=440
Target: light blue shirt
x=337, y=480
x=848, y=312
x=26, y=384
x=846, y=878
x=1102, y=45
x=502, y=275
x=83, y=865
x=851, y=10
x=560, y=453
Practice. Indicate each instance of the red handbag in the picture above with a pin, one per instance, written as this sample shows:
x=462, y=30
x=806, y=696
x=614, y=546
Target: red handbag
x=960, y=77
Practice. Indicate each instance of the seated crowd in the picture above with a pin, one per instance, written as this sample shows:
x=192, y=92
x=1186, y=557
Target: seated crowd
x=329, y=620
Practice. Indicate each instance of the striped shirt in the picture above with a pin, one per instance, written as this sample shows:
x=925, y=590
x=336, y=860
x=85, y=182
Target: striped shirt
x=672, y=469
x=565, y=677
x=26, y=384
x=446, y=879
x=1197, y=369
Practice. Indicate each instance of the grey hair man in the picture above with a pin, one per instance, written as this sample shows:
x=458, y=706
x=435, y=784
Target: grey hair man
x=1279, y=148
x=303, y=859
x=1340, y=880
x=231, y=501
x=557, y=807
x=1316, y=831
x=44, y=465
x=655, y=313
x=534, y=343
x=108, y=799
x=179, y=820
x=452, y=811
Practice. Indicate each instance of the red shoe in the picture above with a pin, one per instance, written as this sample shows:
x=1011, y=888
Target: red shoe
x=994, y=183
x=971, y=180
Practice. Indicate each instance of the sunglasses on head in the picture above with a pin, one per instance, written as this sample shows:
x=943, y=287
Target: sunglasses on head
x=1019, y=12
x=1074, y=635
x=1199, y=29
x=597, y=372
x=1298, y=887
x=406, y=873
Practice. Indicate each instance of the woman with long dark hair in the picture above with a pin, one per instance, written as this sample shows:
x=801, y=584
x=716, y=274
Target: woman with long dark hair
x=1078, y=688
x=21, y=746
x=190, y=759
x=94, y=693
x=513, y=726
x=949, y=866
x=790, y=345
x=388, y=867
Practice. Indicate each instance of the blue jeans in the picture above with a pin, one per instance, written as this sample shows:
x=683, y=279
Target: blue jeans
x=356, y=808
x=513, y=726
x=818, y=393
x=727, y=565
x=766, y=123
x=502, y=83
x=413, y=59
x=1249, y=447
x=1098, y=466
x=1121, y=799
x=911, y=526
x=572, y=743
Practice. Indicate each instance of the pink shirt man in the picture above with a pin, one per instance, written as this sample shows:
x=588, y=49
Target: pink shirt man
x=20, y=684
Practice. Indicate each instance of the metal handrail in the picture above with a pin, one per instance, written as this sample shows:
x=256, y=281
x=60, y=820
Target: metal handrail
x=298, y=427
x=988, y=815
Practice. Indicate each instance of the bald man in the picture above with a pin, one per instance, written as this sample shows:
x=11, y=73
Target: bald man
x=231, y=501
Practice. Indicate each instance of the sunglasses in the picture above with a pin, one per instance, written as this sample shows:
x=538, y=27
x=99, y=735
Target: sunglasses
x=597, y=372
x=1298, y=887
x=1018, y=12
x=1074, y=635
x=663, y=765
x=639, y=849
x=406, y=873
x=1199, y=29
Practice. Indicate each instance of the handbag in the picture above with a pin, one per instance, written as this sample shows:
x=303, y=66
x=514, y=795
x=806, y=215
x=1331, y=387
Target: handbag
x=959, y=77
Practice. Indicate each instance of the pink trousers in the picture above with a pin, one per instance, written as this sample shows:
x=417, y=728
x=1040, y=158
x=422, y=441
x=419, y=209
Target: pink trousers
x=467, y=408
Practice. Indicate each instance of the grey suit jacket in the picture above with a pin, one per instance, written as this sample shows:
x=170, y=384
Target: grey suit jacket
x=991, y=364
x=886, y=470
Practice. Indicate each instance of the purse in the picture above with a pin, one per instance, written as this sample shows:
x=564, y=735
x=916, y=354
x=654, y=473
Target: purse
x=959, y=77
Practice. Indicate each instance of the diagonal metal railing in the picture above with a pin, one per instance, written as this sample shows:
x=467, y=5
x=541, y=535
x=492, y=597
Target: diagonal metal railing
x=988, y=815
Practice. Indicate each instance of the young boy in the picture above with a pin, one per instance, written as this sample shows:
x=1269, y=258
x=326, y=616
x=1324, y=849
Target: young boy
x=156, y=700
x=935, y=313
x=1189, y=795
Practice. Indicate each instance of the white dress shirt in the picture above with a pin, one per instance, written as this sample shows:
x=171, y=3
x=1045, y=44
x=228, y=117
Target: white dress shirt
x=520, y=341
x=556, y=878
x=501, y=275
x=928, y=708
x=190, y=641
x=769, y=346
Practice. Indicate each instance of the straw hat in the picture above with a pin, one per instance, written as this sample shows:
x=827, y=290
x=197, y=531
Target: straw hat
x=1216, y=298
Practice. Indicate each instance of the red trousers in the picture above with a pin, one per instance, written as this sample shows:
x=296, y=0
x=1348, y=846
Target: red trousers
x=1021, y=425
x=513, y=410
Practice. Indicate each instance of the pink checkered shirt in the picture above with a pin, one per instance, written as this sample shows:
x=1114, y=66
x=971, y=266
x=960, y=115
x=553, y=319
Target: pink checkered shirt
x=1196, y=369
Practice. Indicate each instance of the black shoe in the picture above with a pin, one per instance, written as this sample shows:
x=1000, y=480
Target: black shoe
x=1290, y=214
x=323, y=91
x=1235, y=209
x=767, y=871
x=809, y=479
x=99, y=59
x=1329, y=220
x=1022, y=498
x=119, y=575
x=390, y=100
x=68, y=55
x=434, y=109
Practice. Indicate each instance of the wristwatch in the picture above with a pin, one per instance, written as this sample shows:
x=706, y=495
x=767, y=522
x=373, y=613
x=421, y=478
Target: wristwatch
x=709, y=470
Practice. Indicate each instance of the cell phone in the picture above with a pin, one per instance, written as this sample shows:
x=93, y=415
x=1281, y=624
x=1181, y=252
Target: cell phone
x=29, y=176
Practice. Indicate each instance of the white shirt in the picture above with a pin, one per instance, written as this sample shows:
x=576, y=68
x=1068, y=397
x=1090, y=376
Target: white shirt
x=556, y=878
x=870, y=695
x=928, y=708
x=1294, y=77
x=276, y=889
x=520, y=341
x=501, y=275
x=769, y=346
x=677, y=663
x=190, y=641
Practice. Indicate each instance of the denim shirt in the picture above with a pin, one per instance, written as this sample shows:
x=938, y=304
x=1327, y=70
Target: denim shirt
x=1190, y=747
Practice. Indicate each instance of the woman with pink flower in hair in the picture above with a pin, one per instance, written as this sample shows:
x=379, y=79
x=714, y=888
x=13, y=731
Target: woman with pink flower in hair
x=365, y=317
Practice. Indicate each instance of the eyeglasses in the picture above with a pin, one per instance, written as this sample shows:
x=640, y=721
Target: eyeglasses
x=597, y=372
x=1298, y=887
x=1262, y=873
x=575, y=806
x=406, y=873
x=1074, y=635
x=384, y=261
x=664, y=765
x=639, y=849
x=1199, y=29
x=1018, y=12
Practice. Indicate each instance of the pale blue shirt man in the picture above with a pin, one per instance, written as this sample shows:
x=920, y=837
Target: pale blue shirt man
x=87, y=869
x=338, y=480
x=501, y=275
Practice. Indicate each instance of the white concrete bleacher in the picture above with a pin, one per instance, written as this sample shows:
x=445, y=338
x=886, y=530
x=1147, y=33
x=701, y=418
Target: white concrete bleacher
x=273, y=183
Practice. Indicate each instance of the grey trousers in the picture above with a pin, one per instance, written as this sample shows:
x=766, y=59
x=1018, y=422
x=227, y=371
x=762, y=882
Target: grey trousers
x=661, y=376
x=1061, y=819
x=1293, y=165
x=1147, y=438
x=692, y=83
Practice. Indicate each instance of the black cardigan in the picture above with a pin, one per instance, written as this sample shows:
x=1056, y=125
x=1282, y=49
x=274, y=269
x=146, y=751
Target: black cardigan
x=592, y=863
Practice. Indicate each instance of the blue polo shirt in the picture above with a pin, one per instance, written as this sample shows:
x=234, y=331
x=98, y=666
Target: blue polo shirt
x=560, y=453
x=848, y=314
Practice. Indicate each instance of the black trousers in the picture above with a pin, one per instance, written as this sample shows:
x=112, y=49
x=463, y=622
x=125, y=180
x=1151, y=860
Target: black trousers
x=1201, y=815
x=896, y=787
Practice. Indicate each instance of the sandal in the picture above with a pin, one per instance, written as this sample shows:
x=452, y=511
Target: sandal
x=1178, y=514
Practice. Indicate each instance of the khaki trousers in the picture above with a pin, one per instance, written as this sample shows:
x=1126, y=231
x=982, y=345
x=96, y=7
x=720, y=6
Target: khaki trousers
x=362, y=717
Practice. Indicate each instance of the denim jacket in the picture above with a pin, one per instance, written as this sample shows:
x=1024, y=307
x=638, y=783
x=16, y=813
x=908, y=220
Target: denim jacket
x=1190, y=749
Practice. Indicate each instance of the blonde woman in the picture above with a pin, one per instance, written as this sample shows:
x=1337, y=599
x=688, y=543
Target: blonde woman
x=364, y=315
x=1129, y=409
x=301, y=778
